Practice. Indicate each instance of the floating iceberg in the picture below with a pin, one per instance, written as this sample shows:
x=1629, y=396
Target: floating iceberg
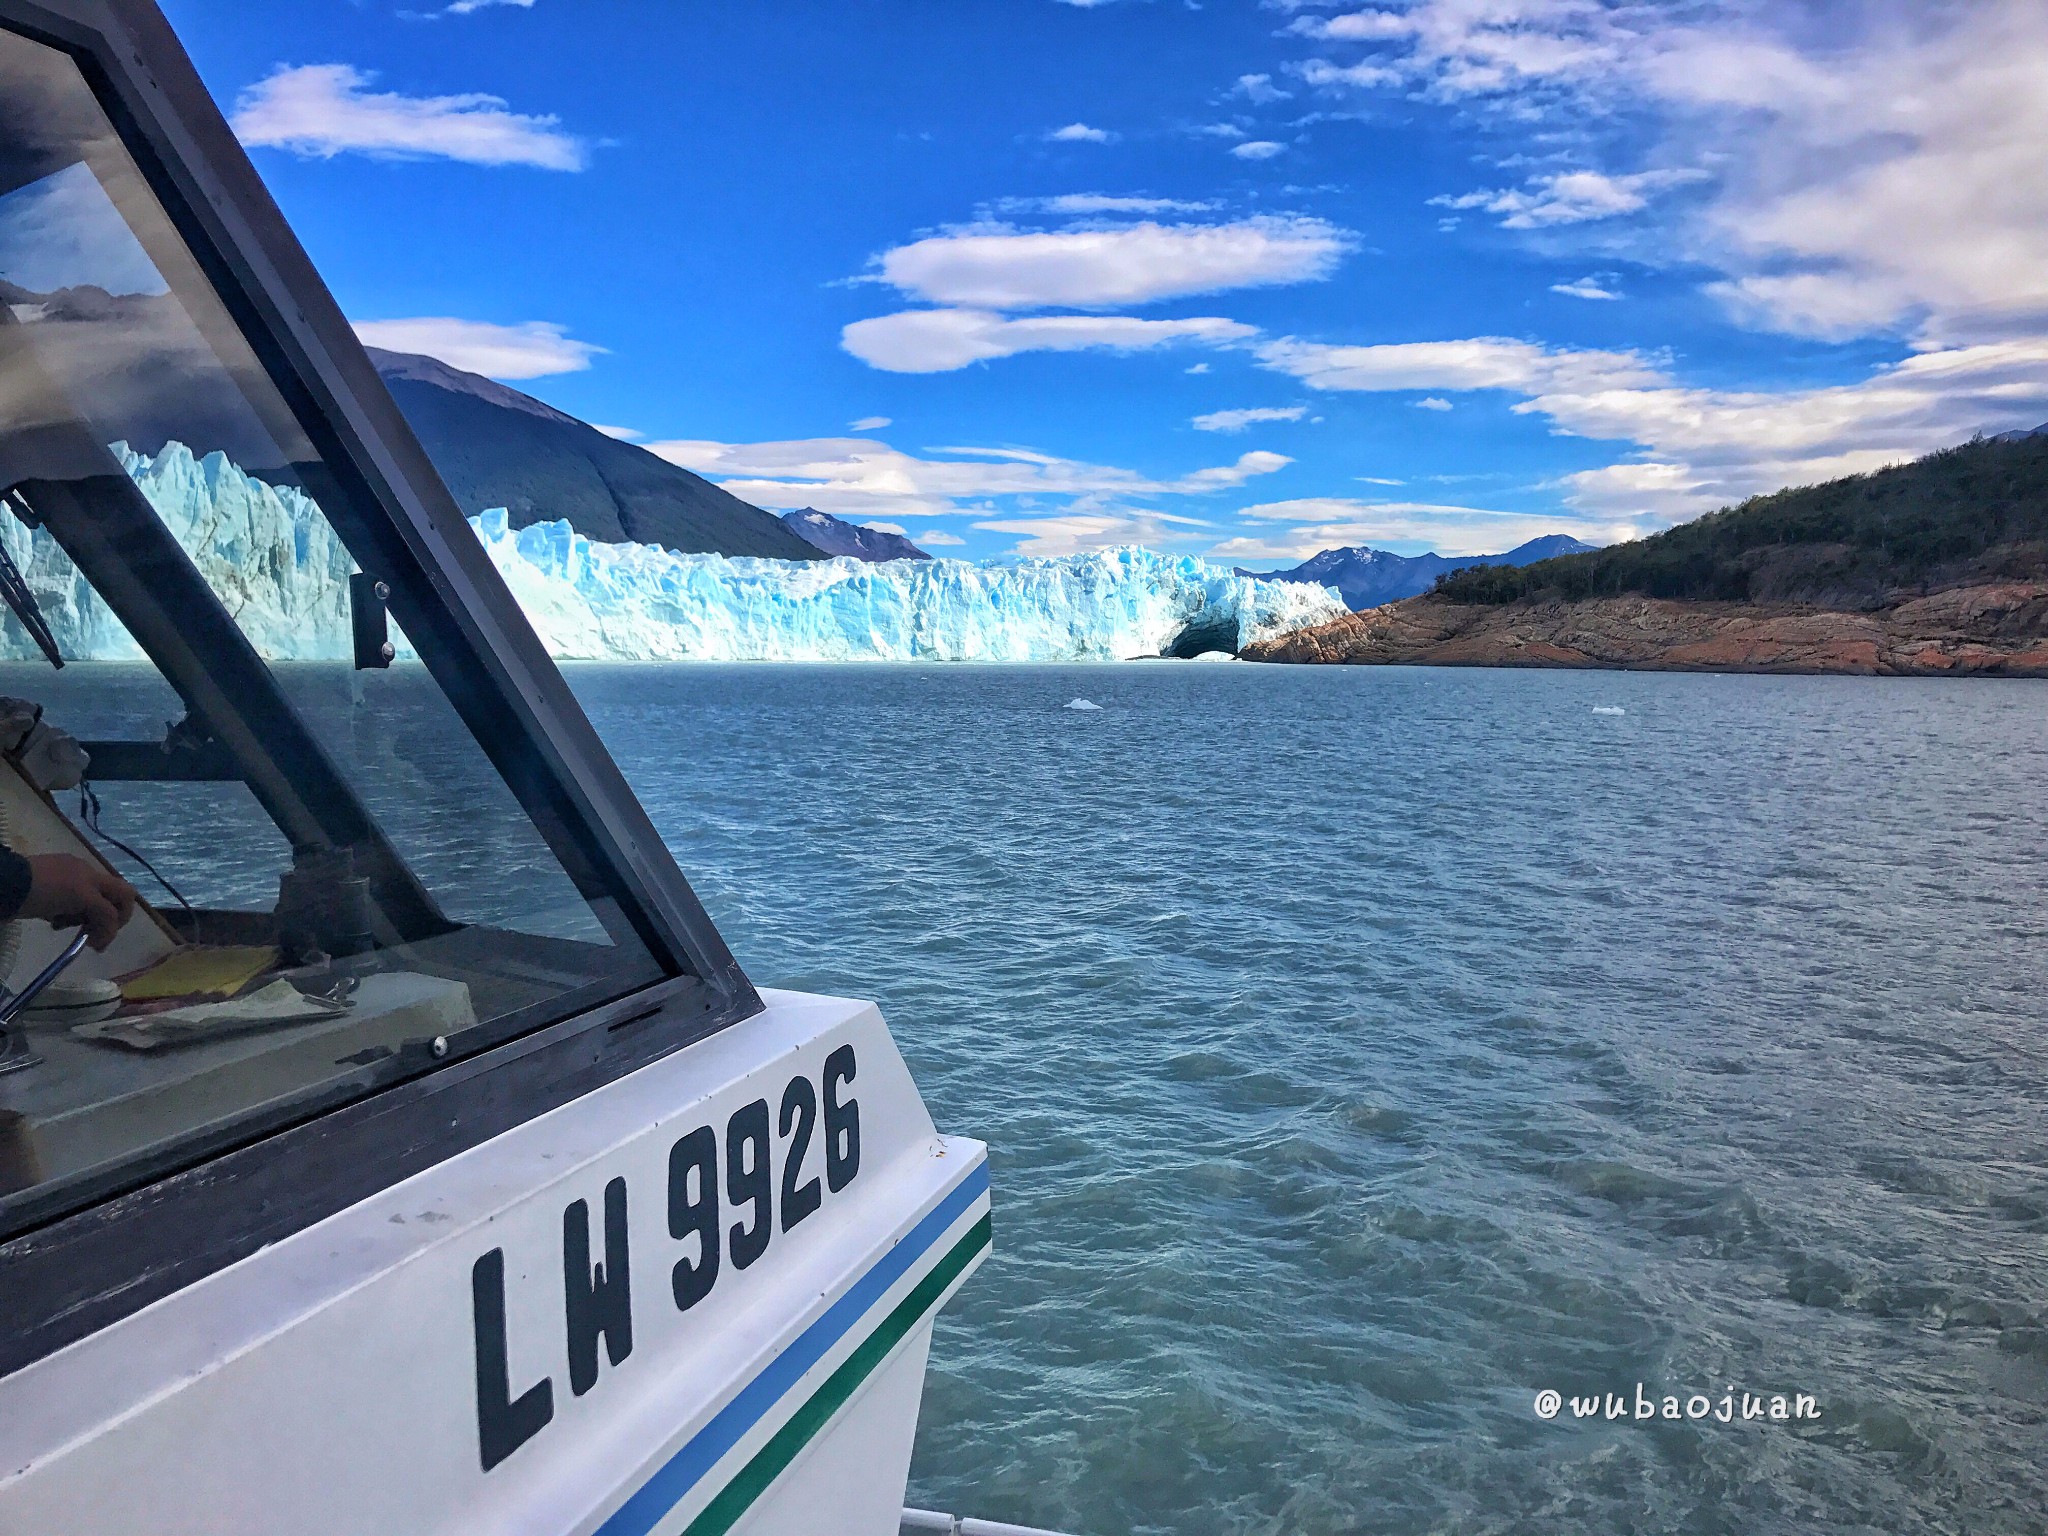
x=276, y=563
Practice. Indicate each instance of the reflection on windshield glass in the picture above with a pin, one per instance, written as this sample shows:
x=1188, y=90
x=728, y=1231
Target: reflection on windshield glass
x=337, y=888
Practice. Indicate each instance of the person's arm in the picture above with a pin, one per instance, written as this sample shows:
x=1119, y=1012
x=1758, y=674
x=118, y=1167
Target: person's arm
x=66, y=892
x=16, y=876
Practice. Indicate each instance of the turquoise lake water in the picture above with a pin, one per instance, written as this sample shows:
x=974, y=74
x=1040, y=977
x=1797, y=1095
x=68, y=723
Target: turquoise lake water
x=1362, y=1051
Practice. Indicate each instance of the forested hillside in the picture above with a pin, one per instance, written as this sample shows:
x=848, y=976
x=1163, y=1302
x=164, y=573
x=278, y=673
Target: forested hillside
x=1965, y=515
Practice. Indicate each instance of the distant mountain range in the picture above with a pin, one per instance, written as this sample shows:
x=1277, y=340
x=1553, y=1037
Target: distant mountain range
x=496, y=447
x=1934, y=568
x=836, y=536
x=1366, y=577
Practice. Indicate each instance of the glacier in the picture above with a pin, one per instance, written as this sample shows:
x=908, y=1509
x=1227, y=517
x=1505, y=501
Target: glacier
x=280, y=569
x=616, y=601
x=267, y=551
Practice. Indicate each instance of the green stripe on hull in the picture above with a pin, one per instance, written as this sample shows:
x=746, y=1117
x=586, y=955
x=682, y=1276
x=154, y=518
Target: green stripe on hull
x=737, y=1496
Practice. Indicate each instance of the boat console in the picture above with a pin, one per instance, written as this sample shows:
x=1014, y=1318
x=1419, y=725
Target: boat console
x=416, y=1157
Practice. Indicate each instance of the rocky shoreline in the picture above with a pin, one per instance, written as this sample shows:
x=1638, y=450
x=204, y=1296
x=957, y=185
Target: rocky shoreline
x=1996, y=629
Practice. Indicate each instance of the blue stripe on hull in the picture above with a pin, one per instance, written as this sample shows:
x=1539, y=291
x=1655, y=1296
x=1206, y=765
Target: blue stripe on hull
x=670, y=1485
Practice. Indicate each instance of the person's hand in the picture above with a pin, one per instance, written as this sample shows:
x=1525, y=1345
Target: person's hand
x=66, y=891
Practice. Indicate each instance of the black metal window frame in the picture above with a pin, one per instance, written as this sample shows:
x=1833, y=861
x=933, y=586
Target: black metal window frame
x=81, y=1271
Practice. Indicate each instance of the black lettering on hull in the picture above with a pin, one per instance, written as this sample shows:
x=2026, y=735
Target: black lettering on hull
x=503, y=1422
x=597, y=1298
x=600, y=1299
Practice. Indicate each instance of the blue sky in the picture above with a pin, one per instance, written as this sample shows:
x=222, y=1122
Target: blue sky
x=1243, y=280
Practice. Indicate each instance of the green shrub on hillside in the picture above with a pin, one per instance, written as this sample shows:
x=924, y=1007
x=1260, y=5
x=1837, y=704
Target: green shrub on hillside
x=1974, y=512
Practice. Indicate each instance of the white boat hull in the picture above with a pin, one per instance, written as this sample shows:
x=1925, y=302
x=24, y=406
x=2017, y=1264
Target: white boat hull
x=382, y=1372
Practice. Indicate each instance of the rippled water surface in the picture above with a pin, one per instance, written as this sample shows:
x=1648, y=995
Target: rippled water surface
x=1361, y=1051
x=1364, y=1051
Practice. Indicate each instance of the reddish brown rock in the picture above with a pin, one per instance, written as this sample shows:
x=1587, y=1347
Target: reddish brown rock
x=1997, y=629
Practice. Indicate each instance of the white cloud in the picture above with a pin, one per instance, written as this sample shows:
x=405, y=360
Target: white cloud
x=1433, y=403
x=323, y=110
x=1080, y=133
x=1691, y=449
x=993, y=266
x=1237, y=421
x=471, y=7
x=1658, y=493
x=1248, y=466
x=1877, y=162
x=939, y=538
x=1219, y=131
x=1571, y=197
x=1096, y=202
x=942, y=340
x=1330, y=522
x=1359, y=26
x=1328, y=509
x=1322, y=72
x=64, y=231
x=1008, y=455
x=623, y=434
x=1463, y=48
x=870, y=424
x=1077, y=533
x=861, y=478
x=1259, y=90
x=1585, y=288
x=531, y=350
x=1894, y=185
x=896, y=528
x=1698, y=449
x=1484, y=362
x=1258, y=149
x=1197, y=368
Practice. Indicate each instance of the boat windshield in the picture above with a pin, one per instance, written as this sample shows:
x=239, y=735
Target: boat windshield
x=209, y=688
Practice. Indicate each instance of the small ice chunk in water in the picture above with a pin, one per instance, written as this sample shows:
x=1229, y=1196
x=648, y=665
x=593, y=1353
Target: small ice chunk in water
x=1609, y=709
x=1082, y=704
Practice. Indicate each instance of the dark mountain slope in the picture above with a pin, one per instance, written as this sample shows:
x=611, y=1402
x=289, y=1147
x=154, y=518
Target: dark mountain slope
x=836, y=536
x=497, y=447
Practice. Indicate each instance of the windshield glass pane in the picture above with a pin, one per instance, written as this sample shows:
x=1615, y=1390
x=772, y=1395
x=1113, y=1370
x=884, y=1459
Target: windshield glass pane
x=337, y=887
